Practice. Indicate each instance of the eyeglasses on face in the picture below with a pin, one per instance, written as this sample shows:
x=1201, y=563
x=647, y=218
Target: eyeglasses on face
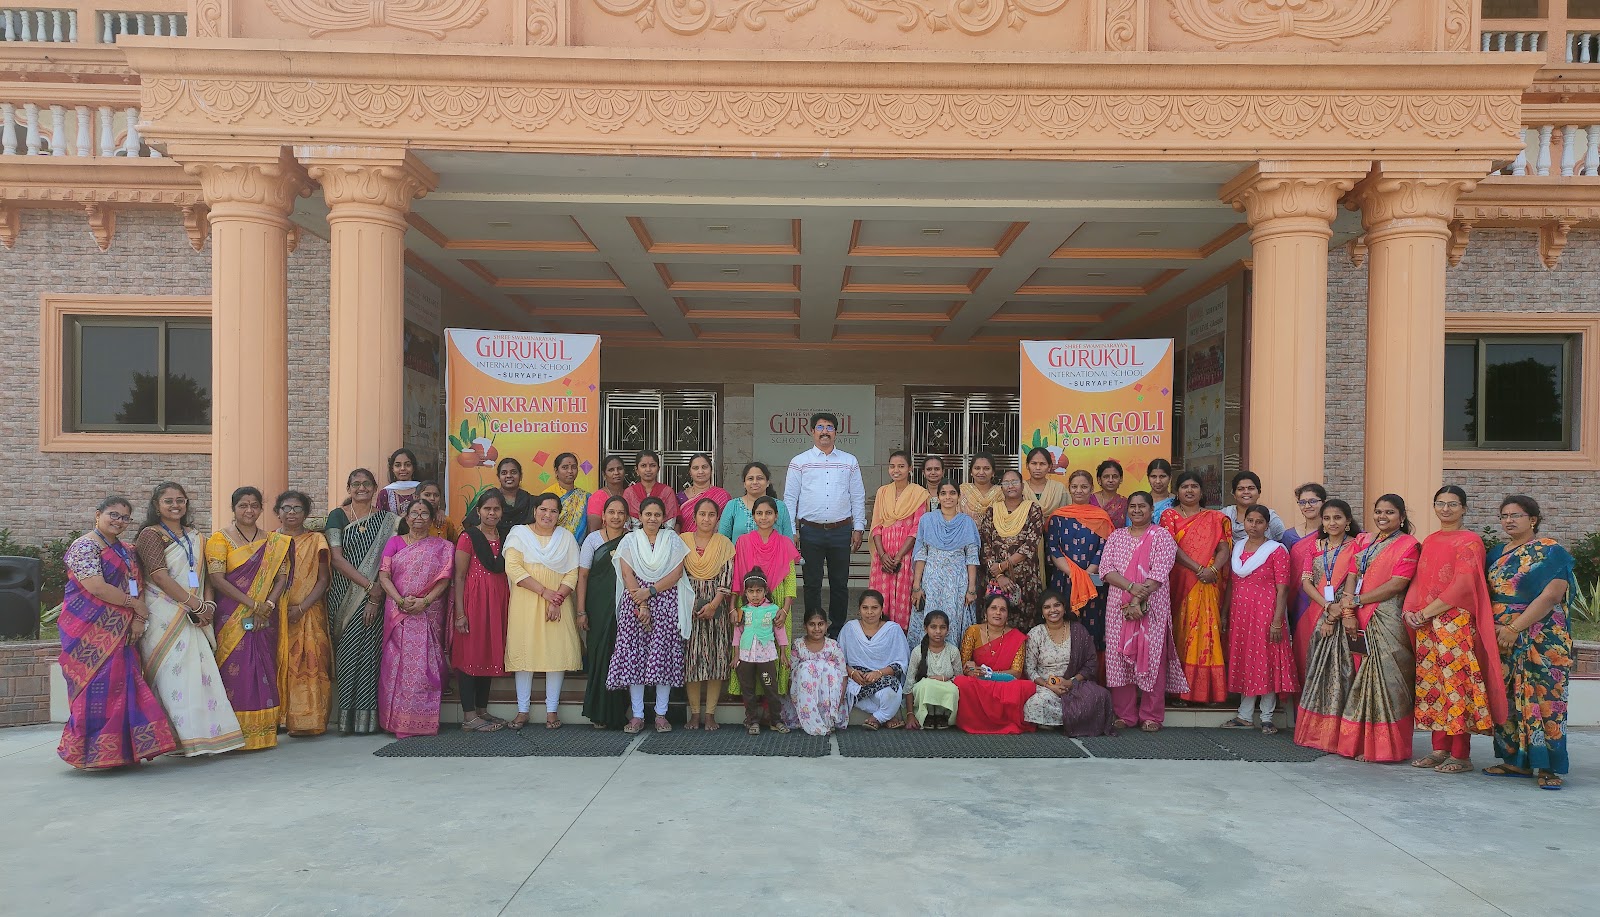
x=1311, y=502
x=1508, y=517
x=1446, y=504
x=823, y=428
x=119, y=517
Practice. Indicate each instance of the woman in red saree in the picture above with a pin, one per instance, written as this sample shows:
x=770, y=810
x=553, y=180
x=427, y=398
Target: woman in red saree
x=415, y=575
x=1460, y=688
x=896, y=510
x=1204, y=538
x=113, y=718
x=989, y=706
x=648, y=467
x=1360, y=689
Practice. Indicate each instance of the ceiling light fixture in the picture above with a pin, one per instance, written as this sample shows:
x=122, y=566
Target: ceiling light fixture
x=1149, y=232
x=932, y=231
x=499, y=224
x=718, y=228
x=1097, y=273
x=912, y=273
x=730, y=270
x=547, y=267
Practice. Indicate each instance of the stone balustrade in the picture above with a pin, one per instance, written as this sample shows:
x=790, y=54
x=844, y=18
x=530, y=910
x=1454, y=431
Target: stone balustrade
x=45, y=129
x=1512, y=40
x=1558, y=149
x=85, y=24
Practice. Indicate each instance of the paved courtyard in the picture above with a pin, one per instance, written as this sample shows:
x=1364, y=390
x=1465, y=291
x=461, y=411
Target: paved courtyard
x=321, y=826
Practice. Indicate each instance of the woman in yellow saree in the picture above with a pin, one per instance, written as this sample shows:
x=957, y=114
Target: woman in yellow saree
x=305, y=654
x=249, y=571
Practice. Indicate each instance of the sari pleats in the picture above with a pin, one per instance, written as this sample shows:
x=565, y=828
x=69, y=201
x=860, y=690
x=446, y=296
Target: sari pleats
x=305, y=655
x=357, y=641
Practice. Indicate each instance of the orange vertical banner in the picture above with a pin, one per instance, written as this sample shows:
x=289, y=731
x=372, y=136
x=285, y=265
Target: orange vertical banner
x=520, y=395
x=1088, y=401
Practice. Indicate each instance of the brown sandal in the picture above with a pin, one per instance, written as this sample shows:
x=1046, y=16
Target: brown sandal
x=1432, y=759
x=1454, y=766
x=516, y=724
x=1151, y=726
x=552, y=721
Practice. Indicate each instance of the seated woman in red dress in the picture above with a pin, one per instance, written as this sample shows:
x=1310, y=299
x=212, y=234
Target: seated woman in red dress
x=995, y=705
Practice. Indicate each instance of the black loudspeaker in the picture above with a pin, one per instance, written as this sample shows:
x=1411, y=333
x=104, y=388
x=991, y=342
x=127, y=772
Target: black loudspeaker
x=20, y=582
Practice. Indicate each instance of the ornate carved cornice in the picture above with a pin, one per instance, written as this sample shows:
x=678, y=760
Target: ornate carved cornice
x=1107, y=104
x=98, y=188
x=1551, y=205
x=1229, y=22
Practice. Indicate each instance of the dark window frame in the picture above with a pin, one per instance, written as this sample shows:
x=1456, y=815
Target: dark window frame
x=73, y=361
x=1570, y=356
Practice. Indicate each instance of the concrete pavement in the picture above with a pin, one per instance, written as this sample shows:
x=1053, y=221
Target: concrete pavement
x=320, y=826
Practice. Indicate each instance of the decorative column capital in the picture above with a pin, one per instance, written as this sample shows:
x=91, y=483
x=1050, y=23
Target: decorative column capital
x=268, y=182
x=1413, y=198
x=368, y=183
x=1294, y=197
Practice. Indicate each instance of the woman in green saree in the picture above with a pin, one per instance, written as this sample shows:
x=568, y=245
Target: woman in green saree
x=597, y=615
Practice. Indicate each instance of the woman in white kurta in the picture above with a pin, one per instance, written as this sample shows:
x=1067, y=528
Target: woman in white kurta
x=542, y=628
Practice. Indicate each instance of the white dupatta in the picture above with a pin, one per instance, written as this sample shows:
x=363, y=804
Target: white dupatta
x=1242, y=567
x=559, y=552
x=651, y=563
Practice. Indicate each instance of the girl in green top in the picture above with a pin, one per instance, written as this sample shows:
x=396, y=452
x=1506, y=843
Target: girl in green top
x=756, y=638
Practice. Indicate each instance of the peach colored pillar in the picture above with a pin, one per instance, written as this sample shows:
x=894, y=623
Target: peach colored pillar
x=1406, y=209
x=250, y=201
x=1290, y=207
x=368, y=193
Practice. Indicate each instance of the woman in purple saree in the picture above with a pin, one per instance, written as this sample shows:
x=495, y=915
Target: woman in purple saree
x=249, y=570
x=415, y=576
x=114, y=718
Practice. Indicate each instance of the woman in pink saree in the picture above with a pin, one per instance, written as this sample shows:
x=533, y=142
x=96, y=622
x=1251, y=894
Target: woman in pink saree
x=896, y=511
x=415, y=576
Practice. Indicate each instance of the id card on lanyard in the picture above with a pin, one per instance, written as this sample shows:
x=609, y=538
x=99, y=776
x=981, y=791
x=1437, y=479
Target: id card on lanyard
x=1364, y=559
x=122, y=552
x=1329, y=565
x=188, y=552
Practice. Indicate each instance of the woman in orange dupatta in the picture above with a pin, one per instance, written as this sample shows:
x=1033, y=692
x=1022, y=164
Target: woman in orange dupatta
x=1360, y=689
x=1460, y=688
x=1074, y=537
x=249, y=573
x=1204, y=538
x=305, y=654
x=896, y=510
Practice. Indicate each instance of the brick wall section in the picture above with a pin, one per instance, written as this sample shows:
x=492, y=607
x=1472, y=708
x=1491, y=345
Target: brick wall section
x=25, y=682
x=1500, y=272
x=51, y=494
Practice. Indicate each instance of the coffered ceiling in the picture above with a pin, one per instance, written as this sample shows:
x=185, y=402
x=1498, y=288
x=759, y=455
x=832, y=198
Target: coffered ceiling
x=800, y=250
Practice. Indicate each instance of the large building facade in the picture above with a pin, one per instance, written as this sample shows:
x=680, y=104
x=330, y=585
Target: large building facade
x=233, y=229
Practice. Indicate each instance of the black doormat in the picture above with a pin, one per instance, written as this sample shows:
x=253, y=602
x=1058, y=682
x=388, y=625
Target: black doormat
x=574, y=740
x=732, y=740
x=1251, y=745
x=951, y=743
x=1170, y=744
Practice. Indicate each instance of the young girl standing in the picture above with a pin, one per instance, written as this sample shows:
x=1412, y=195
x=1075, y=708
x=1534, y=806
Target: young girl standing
x=931, y=695
x=1260, y=653
x=816, y=701
x=756, y=636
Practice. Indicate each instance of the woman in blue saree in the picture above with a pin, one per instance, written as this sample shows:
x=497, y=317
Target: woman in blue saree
x=1529, y=582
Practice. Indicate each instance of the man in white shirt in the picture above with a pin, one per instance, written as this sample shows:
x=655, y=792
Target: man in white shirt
x=1247, y=490
x=828, y=504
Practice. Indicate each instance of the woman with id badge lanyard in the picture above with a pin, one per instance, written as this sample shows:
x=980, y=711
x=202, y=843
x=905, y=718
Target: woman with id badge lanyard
x=113, y=717
x=1359, y=693
x=249, y=573
x=178, y=646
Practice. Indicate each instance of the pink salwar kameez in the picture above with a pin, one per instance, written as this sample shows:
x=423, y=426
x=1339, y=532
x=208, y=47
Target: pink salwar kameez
x=411, y=674
x=1141, y=655
x=894, y=522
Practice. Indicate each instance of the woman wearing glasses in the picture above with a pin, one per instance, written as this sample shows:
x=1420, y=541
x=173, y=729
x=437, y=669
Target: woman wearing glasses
x=1530, y=579
x=1459, y=687
x=1301, y=540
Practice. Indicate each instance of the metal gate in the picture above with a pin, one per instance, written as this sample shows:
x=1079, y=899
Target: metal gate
x=957, y=426
x=675, y=424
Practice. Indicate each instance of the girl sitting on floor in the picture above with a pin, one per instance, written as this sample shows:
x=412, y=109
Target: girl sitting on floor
x=816, y=701
x=930, y=692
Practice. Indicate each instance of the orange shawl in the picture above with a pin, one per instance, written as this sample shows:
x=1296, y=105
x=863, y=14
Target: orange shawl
x=1090, y=516
x=887, y=509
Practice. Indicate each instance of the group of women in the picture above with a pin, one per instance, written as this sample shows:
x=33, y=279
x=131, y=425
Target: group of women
x=996, y=606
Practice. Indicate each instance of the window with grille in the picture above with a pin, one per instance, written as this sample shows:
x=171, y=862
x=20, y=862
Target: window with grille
x=958, y=426
x=675, y=424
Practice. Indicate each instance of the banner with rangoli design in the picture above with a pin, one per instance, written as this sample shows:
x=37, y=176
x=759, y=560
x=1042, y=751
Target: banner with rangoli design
x=1088, y=401
x=520, y=395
